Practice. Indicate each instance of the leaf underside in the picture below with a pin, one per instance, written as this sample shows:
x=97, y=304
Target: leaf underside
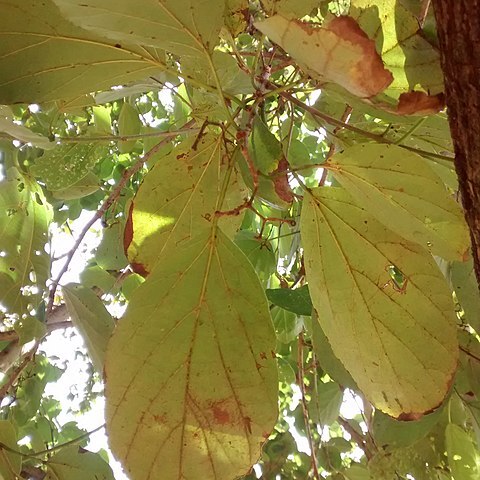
x=179, y=401
x=397, y=341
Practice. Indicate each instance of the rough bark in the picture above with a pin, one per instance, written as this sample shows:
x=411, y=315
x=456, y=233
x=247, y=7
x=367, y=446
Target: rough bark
x=458, y=25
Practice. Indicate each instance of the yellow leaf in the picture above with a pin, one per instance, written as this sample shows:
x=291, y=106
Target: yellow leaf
x=339, y=52
x=383, y=304
x=191, y=380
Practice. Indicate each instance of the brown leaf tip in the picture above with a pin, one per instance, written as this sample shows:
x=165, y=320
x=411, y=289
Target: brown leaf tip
x=420, y=103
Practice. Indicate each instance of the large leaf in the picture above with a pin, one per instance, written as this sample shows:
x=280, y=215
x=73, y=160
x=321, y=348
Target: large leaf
x=404, y=193
x=44, y=57
x=71, y=463
x=191, y=382
x=396, y=336
x=92, y=320
x=340, y=52
x=24, y=220
x=184, y=27
x=179, y=196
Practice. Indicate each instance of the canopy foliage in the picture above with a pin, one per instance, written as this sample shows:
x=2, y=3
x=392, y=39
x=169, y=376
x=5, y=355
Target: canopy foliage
x=270, y=188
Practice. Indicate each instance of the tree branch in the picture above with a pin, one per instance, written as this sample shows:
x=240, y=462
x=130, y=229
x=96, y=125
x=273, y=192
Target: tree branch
x=359, y=131
x=301, y=384
x=124, y=138
x=357, y=437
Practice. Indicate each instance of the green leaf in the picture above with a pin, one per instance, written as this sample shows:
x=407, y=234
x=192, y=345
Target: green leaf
x=259, y=251
x=297, y=301
x=92, y=320
x=128, y=124
x=72, y=463
x=397, y=339
x=287, y=325
x=183, y=27
x=102, y=120
x=44, y=57
x=388, y=431
x=96, y=277
x=339, y=52
x=462, y=453
x=10, y=463
x=402, y=191
x=464, y=282
x=28, y=329
x=264, y=148
x=325, y=406
x=89, y=184
x=24, y=216
x=20, y=132
x=191, y=381
x=109, y=254
x=67, y=164
x=179, y=197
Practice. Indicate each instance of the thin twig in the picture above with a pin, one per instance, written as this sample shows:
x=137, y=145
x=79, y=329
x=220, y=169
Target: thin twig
x=470, y=354
x=105, y=206
x=352, y=128
x=357, y=437
x=301, y=384
x=331, y=151
x=124, y=138
x=70, y=442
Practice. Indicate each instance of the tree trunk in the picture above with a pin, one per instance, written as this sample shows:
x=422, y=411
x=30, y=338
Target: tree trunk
x=458, y=25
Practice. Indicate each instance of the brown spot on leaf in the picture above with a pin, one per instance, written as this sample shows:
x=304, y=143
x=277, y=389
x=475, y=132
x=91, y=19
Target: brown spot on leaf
x=220, y=413
x=409, y=417
x=420, y=103
x=162, y=419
